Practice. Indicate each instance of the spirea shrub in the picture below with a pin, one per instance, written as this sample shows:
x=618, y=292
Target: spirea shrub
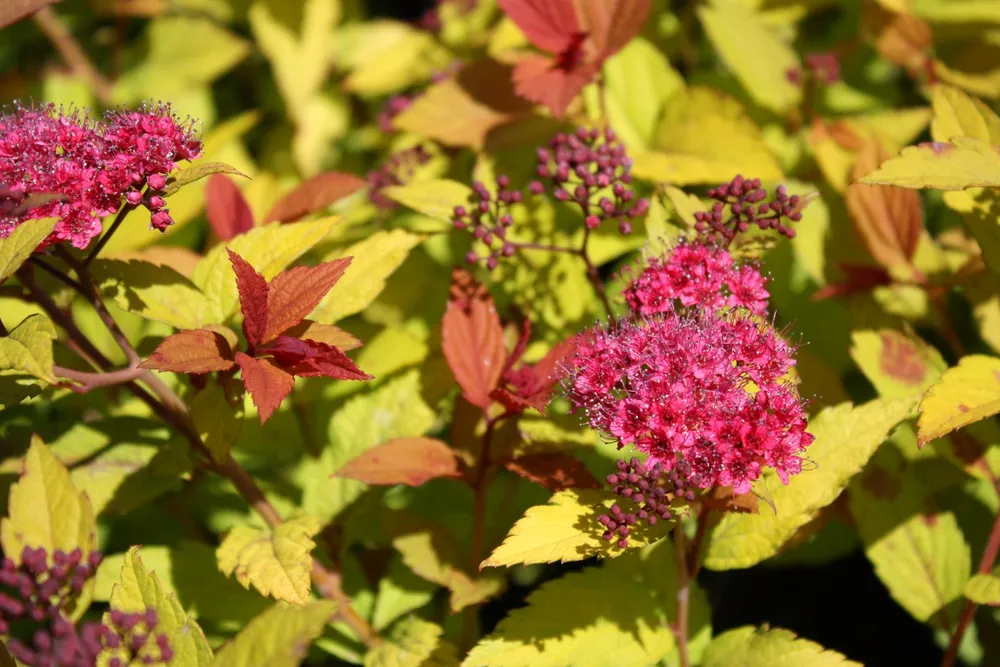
x=604, y=333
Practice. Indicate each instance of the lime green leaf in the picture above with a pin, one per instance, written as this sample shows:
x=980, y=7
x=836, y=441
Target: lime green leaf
x=614, y=615
x=277, y=563
x=919, y=553
x=436, y=198
x=984, y=589
x=139, y=589
x=184, y=52
x=375, y=259
x=45, y=509
x=28, y=348
x=754, y=53
x=269, y=249
x=964, y=395
x=391, y=55
x=963, y=163
x=218, y=420
x=155, y=292
x=706, y=137
x=277, y=638
x=413, y=643
x=639, y=79
x=896, y=363
x=400, y=591
x=566, y=529
x=846, y=437
x=685, y=205
x=759, y=647
x=17, y=248
x=198, y=171
x=957, y=114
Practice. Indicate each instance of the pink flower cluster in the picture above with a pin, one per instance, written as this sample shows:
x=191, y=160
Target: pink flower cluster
x=93, y=165
x=698, y=388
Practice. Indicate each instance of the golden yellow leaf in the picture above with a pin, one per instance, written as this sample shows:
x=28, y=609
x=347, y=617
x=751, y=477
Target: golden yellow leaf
x=965, y=394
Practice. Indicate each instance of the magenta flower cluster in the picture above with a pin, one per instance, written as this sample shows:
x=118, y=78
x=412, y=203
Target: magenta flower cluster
x=743, y=202
x=92, y=164
x=33, y=609
x=696, y=379
x=581, y=167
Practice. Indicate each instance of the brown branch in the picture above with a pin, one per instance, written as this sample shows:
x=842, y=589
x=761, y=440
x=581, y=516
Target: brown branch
x=73, y=54
x=91, y=381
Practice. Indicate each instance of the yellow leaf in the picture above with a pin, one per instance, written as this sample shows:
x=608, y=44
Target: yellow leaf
x=436, y=198
x=45, y=509
x=963, y=163
x=154, y=292
x=277, y=638
x=919, y=553
x=846, y=437
x=984, y=589
x=957, y=114
x=964, y=394
x=28, y=348
x=754, y=52
x=375, y=258
x=706, y=137
x=956, y=11
x=566, y=529
x=761, y=647
x=269, y=249
x=139, y=589
x=217, y=420
x=17, y=248
x=391, y=56
x=638, y=80
x=617, y=614
x=685, y=205
x=277, y=563
x=896, y=363
x=413, y=643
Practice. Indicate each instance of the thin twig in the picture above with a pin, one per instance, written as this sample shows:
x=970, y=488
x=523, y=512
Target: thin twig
x=93, y=380
x=73, y=54
x=54, y=272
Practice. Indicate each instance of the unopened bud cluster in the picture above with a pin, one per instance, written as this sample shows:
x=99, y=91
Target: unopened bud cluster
x=397, y=170
x=744, y=202
x=33, y=613
x=824, y=68
x=591, y=169
x=488, y=218
x=643, y=488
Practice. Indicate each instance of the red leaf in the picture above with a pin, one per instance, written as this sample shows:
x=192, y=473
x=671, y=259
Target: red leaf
x=191, y=351
x=472, y=339
x=613, y=24
x=293, y=294
x=268, y=385
x=540, y=80
x=227, y=209
x=313, y=195
x=531, y=386
x=548, y=24
x=410, y=461
x=253, y=298
x=553, y=471
x=324, y=333
x=309, y=358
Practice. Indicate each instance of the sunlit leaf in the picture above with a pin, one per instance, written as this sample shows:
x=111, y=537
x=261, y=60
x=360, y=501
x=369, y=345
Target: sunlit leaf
x=896, y=363
x=198, y=171
x=24, y=240
x=762, y=647
x=414, y=643
x=964, y=395
x=436, y=198
x=277, y=638
x=28, y=348
x=984, y=589
x=963, y=163
x=410, y=461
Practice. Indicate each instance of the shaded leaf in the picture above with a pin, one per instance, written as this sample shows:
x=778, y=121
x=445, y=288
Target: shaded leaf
x=198, y=171
x=28, y=348
x=24, y=240
x=436, y=198
x=295, y=293
x=226, y=208
x=410, y=461
x=139, y=589
x=280, y=637
x=315, y=194
x=268, y=385
x=472, y=338
x=275, y=562
x=308, y=358
x=554, y=471
x=762, y=647
x=217, y=420
x=413, y=642
x=964, y=395
x=154, y=292
x=191, y=351
x=566, y=529
x=254, y=297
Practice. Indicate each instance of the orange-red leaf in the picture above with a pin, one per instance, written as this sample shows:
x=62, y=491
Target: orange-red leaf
x=324, y=333
x=554, y=471
x=268, y=385
x=410, y=461
x=227, y=209
x=293, y=294
x=12, y=11
x=472, y=338
x=253, y=298
x=191, y=351
x=309, y=358
x=548, y=24
x=314, y=195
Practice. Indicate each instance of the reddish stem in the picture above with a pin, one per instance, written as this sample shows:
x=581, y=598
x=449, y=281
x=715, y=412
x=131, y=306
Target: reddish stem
x=91, y=381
